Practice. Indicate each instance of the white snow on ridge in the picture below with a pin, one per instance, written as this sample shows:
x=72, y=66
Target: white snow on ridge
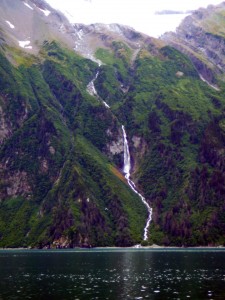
x=27, y=5
x=45, y=11
x=10, y=24
x=25, y=44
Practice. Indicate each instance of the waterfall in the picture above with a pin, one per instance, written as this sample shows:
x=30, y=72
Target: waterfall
x=91, y=86
x=126, y=156
x=212, y=86
x=92, y=90
x=126, y=170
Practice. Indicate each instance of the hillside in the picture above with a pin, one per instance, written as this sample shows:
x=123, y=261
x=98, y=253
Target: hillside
x=201, y=37
x=63, y=100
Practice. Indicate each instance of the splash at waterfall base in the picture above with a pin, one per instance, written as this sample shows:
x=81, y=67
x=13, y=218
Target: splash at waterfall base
x=126, y=170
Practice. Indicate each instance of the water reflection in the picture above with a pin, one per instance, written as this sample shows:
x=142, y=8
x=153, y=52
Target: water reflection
x=112, y=275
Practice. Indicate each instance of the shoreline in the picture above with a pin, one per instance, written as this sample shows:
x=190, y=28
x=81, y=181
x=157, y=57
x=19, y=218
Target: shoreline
x=134, y=248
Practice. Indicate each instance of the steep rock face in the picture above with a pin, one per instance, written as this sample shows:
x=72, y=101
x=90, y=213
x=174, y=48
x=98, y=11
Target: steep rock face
x=5, y=127
x=201, y=36
x=15, y=184
x=27, y=24
x=104, y=34
x=92, y=37
x=116, y=146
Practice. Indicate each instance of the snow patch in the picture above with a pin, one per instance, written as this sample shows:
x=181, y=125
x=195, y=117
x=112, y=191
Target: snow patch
x=27, y=5
x=10, y=24
x=25, y=44
x=45, y=12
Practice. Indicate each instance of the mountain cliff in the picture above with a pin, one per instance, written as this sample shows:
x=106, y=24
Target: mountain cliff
x=201, y=37
x=66, y=91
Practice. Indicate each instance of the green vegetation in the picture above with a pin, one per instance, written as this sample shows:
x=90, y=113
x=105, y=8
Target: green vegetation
x=114, y=75
x=181, y=171
x=57, y=184
x=60, y=186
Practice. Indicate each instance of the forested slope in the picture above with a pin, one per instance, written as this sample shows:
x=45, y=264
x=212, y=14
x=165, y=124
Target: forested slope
x=61, y=146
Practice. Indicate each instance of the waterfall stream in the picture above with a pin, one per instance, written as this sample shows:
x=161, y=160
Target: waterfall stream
x=91, y=86
x=92, y=90
x=127, y=165
x=212, y=86
x=126, y=170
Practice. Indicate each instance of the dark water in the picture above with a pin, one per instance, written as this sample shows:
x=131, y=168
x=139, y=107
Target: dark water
x=112, y=274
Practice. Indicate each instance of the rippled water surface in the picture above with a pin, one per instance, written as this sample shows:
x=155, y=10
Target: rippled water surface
x=113, y=274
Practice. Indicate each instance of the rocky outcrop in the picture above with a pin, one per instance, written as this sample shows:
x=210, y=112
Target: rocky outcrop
x=37, y=20
x=5, y=127
x=91, y=37
x=116, y=147
x=198, y=38
x=139, y=148
x=14, y=184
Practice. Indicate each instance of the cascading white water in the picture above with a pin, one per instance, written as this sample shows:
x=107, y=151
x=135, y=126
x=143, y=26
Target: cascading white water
x=92, y=91
x=212, y=86
x=126, y=170
x=91, y=87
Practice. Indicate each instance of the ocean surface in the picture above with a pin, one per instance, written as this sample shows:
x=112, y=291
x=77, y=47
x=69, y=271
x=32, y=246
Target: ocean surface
x=113, y=274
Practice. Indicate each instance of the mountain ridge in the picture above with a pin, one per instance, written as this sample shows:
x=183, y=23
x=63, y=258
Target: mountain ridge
x=62, y=146
x=200, y=36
